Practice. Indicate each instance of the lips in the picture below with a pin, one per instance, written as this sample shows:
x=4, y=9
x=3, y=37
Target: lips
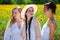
x=31, y=13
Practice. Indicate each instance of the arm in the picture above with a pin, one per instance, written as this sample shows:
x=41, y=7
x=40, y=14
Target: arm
x=37, y=29
x=52, y=30
x=23, y=34
x=7, y=34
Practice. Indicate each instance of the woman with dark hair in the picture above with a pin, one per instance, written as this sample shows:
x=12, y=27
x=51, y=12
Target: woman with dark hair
x=49, y=27
x=32, y=28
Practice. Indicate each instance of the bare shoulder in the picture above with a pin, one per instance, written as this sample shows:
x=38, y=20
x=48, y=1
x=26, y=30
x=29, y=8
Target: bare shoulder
x=53, y=24
x=35, y=20
x=36, y=23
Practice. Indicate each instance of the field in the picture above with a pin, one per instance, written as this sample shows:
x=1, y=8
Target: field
x=5, y=13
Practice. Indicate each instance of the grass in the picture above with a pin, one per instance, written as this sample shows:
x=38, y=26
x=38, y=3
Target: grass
x=5, y=13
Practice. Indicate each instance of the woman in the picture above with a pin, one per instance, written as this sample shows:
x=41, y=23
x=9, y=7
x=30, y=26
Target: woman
x=15, y=26
x=49, y=27
x=32, y=24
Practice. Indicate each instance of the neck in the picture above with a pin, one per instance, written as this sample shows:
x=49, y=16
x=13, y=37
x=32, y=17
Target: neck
x=28, y=18
x=18, y=20
x=51, y=17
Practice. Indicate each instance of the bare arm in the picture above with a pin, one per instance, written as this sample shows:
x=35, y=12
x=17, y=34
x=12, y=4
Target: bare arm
x=52, y=30
x=37, y=29
x=7, y=35
x=23, y=34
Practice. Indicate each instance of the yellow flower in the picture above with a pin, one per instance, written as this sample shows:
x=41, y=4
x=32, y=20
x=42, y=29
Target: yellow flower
x=59, y=17
x=40, y=18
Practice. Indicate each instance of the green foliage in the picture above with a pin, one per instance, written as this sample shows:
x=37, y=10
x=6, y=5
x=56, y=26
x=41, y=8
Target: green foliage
x=27, y=1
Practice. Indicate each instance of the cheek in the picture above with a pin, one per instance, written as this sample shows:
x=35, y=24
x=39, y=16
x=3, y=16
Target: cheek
x=13, y=15
x=16, y=15
x=31, y=13
x=19, y=14
x=45, y=12
x=28, y=13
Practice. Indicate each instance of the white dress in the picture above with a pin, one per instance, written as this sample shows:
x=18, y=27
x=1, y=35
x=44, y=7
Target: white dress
x=14, y=33
x=45, y=32
x=33, y=32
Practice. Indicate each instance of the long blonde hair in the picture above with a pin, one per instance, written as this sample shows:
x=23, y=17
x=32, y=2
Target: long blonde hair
x=12, y=20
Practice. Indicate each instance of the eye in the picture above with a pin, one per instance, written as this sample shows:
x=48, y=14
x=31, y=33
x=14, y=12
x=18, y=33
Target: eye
x=12, y=12
x=29, y=10
x=32, y=10
x=15, y=12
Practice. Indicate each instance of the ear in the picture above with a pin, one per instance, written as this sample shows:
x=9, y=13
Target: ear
x=50, y=10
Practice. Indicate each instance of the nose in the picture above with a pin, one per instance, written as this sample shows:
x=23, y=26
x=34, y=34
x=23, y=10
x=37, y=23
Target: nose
x=13, y=14
x=32, y=13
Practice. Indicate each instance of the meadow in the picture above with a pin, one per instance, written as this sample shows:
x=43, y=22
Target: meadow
x=5, y=13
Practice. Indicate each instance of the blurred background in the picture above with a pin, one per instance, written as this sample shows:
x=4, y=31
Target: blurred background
x=7, y=5
x=27, y=1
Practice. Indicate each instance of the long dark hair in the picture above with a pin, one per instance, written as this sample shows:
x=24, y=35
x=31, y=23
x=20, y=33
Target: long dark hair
x=29, y=27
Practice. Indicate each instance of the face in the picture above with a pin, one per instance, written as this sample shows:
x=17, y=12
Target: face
x=30, y=12
x=47, y=11
x=16, y=14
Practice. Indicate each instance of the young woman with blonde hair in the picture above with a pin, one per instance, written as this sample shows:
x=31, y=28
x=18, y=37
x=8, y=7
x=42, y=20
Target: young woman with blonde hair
x=15, y=26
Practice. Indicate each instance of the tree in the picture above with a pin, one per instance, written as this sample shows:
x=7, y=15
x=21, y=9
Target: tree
x=59, y=1
x=5, y=2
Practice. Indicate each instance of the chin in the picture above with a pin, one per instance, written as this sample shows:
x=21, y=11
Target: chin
x=31, y=15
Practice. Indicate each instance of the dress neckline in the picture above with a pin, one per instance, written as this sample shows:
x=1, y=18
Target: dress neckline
x=20, y=26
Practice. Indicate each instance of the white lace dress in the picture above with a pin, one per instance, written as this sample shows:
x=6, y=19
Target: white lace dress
x=14, y=33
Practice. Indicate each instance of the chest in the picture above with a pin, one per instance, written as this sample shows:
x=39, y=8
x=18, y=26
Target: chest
x=15, y=29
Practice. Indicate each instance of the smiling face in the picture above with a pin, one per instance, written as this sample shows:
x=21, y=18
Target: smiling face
x=15, y=14
x=30, y=12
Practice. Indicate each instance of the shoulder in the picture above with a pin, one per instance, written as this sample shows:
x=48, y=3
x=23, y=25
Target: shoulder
x=53, y=24
x=23, y=24
x=36, y=24
x=35, y=20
